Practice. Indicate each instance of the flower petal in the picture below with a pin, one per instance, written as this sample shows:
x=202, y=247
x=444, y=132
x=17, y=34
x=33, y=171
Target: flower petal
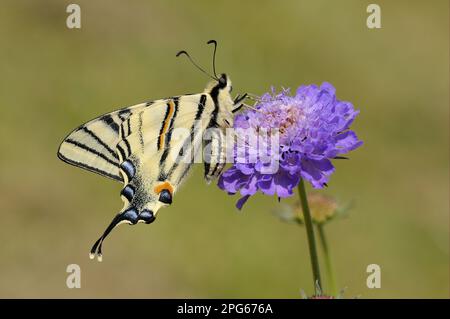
x=347, y=141
x=242, y=201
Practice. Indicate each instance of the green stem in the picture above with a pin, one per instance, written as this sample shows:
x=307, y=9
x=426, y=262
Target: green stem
x=311, y=239
x=328, y=264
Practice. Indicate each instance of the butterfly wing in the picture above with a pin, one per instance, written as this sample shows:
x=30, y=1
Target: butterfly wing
x=157, y=149
x=155, y=146
x=92, y=146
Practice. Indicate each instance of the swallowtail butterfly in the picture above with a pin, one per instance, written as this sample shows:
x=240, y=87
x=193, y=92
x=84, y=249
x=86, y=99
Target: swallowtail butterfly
x=136, y=145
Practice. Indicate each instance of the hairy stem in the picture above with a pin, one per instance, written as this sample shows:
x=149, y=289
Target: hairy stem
x=328, y=263
x=311, y=238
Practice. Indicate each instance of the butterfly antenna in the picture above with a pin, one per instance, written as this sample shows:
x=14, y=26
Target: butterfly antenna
x=195, y=64
x=214, y=55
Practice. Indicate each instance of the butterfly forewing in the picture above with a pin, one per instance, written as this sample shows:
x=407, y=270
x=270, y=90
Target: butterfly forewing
x=92, y=146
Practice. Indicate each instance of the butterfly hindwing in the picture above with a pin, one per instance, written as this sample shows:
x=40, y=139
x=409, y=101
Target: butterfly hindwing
x=156, y=151
x=156, y=155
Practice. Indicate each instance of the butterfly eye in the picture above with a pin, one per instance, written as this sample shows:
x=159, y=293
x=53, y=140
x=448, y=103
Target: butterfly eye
x=223, y=81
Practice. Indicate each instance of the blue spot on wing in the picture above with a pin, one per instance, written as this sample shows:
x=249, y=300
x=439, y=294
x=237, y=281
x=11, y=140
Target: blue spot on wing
x=128, y=192
x=131, y=215
x=147, y=216
x=128, y=168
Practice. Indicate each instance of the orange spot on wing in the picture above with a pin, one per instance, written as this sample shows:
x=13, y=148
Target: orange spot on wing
x=166, y=185
x=171, y=107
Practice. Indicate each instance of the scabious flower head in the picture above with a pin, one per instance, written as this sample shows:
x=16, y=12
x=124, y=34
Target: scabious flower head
x=313, y=128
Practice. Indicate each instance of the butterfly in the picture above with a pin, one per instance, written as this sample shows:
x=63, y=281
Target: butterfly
x=137, y=146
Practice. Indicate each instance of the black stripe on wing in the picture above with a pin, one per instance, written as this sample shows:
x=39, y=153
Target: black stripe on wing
x=89, y=168
x=189, y=140
x=100, y=141
x=168, y=136
x=163, y=123
x=91, y=150
x=110, y=121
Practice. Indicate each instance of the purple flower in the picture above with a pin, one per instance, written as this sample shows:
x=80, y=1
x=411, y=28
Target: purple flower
x=313, y=128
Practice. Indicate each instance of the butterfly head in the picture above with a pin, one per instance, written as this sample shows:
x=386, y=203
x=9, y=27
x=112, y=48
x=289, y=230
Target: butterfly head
x=219, y=85
x=220, y=92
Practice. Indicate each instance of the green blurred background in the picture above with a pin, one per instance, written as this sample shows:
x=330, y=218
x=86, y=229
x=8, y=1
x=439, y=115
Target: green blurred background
x=53, y=79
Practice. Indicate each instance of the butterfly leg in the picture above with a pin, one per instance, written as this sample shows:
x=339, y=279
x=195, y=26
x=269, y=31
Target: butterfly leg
x=238, y=102
x=215, y=154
